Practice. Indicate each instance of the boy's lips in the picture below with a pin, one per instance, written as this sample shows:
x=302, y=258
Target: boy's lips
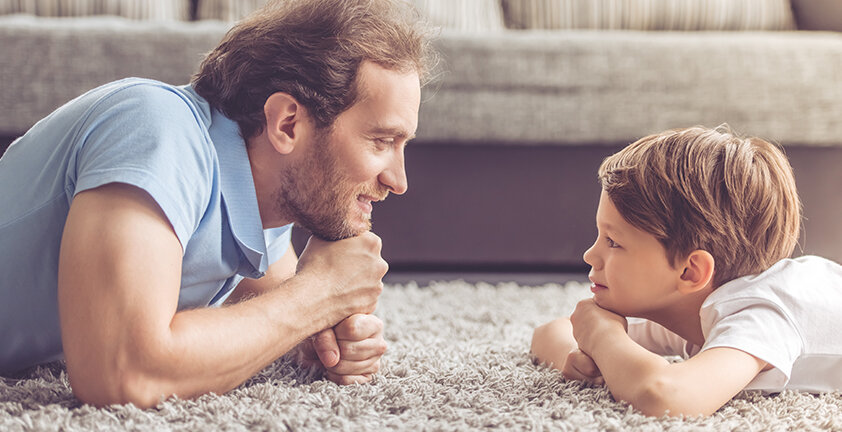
x=596, y=286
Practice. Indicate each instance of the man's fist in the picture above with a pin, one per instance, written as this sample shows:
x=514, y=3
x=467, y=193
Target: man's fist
x=350, y=352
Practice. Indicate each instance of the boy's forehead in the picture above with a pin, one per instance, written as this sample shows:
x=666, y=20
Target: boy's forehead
x=607, y=216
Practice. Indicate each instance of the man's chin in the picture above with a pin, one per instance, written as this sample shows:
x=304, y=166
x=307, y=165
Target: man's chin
x=340, y=234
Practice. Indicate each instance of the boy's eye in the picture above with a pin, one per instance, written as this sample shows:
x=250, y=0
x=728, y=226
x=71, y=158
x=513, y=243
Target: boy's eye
x=611, y=243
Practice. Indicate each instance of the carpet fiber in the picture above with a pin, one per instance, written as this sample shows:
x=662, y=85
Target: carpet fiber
x=458, y=360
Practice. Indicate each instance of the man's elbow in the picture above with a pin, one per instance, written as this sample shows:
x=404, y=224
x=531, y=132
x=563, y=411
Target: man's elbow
x=119, y=388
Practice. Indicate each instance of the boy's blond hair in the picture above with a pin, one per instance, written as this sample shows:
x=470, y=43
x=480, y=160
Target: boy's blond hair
x=700, y=188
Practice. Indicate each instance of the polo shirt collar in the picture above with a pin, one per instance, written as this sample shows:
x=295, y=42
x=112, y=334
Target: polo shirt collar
x=238, y=193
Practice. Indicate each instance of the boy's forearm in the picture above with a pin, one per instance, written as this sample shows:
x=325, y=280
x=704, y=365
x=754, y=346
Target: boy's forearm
x=631, y=372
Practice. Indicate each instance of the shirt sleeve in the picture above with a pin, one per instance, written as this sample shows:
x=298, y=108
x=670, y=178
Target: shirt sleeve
x=149, y=137
x=656, y=338
x=277, y=242
x=757, y=327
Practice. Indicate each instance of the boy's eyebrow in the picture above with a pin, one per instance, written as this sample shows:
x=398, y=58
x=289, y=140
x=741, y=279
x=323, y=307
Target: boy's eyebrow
x=607, y=226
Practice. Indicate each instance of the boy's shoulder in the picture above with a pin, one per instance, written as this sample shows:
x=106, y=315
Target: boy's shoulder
x=788, y=281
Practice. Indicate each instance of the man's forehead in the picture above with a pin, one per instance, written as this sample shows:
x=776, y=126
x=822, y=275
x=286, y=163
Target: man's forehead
x=387, y=102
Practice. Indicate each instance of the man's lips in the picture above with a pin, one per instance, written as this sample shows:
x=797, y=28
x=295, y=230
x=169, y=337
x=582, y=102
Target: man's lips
x=365, y=201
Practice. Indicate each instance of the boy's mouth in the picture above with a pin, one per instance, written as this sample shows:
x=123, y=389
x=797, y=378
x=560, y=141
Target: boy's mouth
x=595, y=288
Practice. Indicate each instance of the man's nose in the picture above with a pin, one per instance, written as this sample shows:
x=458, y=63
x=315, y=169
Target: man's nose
x=394, y=176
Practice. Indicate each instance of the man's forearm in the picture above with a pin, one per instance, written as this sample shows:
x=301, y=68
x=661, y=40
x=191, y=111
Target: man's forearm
x=216, y=349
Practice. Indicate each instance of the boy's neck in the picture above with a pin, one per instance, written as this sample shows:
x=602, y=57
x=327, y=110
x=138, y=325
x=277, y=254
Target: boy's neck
x=682, y=317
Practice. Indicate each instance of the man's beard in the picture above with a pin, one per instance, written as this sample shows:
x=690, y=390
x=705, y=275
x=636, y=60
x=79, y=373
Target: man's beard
x=316, y=196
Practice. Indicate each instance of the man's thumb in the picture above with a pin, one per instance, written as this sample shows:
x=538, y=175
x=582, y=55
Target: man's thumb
x=327, y=348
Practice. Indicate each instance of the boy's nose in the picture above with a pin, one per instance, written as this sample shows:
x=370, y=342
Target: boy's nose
x=589, y=256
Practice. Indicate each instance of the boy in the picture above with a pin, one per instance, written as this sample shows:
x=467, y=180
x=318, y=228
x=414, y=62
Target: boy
x=695, y=228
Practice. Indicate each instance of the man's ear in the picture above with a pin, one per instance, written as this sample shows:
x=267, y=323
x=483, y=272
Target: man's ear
x=698, y=271
x=284, y=121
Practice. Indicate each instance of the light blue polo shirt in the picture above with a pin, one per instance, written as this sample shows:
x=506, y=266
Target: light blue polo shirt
x=163, y=139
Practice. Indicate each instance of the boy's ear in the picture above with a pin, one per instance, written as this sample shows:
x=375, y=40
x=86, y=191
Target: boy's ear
x=284, y=121
x=698, y=271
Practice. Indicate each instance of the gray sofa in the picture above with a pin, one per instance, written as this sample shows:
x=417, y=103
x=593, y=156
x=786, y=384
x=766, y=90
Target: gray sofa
x=502, y=174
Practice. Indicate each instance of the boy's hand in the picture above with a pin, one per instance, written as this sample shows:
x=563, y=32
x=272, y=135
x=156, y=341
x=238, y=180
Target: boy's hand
x=349, y=352
x=590, y=322
x=580, y=366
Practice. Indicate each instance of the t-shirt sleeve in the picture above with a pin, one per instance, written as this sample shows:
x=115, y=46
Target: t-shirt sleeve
x=655, y=338
x=149, y=137
x=757, y=327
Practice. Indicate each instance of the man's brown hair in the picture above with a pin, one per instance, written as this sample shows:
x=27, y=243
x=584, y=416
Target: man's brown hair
x=699, y=188
x=312, y=50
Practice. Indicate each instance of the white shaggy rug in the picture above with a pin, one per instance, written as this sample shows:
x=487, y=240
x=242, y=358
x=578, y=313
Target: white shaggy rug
x=458, y=359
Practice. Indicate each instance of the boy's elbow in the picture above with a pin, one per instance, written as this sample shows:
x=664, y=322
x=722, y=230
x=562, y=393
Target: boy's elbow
x=659, y=397
x=653, y=399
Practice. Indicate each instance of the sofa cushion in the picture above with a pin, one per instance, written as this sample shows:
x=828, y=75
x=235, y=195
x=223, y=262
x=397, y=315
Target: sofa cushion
x=226, y=10
x=135, y=9
x=587, y=87
x=818, y=14
x=463, y=15
x=650, y=14
x=45, y=62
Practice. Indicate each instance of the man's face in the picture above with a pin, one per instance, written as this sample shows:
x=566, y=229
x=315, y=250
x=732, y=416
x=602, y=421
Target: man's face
x=358, y=161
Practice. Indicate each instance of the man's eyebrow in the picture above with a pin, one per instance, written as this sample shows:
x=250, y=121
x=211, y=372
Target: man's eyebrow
x=392, y=131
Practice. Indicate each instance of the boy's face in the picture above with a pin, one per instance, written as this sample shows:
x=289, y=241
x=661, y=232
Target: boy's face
x=630, y=272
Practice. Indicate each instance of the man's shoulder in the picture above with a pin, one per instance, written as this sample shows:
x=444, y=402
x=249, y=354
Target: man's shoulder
x=137, y=117
x=152, y=99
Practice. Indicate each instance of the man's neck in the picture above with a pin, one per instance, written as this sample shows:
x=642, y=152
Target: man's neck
x=265, y=173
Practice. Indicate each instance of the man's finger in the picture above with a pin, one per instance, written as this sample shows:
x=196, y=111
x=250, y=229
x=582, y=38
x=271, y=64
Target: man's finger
x=359, y=327
x=362, y=350
x=363, y=367
x=327, y=348
x=348, y=379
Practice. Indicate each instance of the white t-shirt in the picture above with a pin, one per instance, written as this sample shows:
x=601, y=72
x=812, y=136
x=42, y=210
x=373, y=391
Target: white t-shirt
x=789, y=316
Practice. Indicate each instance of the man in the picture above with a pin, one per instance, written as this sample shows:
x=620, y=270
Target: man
x=134, y=206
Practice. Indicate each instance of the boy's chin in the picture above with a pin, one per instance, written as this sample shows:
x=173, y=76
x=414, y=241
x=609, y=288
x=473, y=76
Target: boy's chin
x=610, y=308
